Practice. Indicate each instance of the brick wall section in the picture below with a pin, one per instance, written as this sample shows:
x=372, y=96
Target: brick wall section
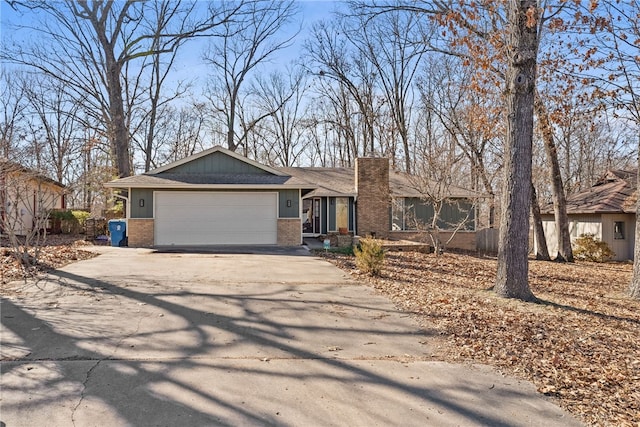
x=463, y=240
x=372, y=185
x=140, y=232
x=289, y=232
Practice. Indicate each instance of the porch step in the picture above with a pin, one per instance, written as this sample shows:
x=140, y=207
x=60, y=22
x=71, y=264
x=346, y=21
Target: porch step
x=407, y=246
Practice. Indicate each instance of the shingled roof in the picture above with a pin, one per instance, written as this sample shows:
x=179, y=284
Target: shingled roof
x=340, y=182
x=176, y=180
x=7, y=166
x=615, y=192
x=322, y=182
x=328, y=182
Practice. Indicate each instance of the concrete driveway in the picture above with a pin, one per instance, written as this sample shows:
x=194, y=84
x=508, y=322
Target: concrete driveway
x=141, y=338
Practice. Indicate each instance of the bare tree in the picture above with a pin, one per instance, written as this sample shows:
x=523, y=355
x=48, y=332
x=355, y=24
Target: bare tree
x=337, y=115
x=346, y=76
x=565, y=253
x=59, y=119
x=14, y=102
x=542, y=251
x=159, y=65
x=590, y=141
x=325, y=135
x=438, y=167
x=281, y=97
x=244, y=44
x=89, y=45
x=472, y=118
x=394, y=43
x=90, y=175
x=181, y=133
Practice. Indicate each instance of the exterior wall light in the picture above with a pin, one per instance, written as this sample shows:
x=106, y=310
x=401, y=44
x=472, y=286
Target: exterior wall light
x=141, y=203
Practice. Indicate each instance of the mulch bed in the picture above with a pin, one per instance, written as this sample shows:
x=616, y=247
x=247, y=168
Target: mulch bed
x=580, y=344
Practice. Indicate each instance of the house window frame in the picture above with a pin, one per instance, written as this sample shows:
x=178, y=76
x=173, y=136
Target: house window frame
x=344, y=203
x=398, y=212
x=618, y=230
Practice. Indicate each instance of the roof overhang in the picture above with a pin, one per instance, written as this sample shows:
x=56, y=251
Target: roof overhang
x=114, y=184
x=9, y=166
x=316, y=193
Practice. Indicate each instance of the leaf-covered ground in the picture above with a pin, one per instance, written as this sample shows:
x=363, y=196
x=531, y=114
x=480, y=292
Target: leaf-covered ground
x=57, y=251
x=580, y=344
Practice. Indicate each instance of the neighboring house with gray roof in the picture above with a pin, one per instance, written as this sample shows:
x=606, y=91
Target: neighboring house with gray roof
x=607, y=210
x=220, y=197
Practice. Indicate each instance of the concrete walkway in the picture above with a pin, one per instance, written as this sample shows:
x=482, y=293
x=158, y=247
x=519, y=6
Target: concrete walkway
x=144, y=338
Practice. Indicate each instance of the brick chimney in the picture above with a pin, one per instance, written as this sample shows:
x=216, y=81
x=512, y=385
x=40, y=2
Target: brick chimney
x=372, y=205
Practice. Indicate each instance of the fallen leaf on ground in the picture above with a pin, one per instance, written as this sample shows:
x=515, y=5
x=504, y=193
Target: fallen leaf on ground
x=580, y=344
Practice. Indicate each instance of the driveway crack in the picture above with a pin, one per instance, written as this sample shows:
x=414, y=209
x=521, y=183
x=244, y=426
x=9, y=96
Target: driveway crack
x=125, y=336
x=84, y=388
x=129, y=335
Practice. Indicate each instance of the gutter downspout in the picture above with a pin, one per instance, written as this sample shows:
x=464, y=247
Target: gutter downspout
x=128, y=209
x=355, y=216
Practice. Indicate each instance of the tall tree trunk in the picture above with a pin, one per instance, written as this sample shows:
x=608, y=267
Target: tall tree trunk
x=119, y=133
x=407, y=152
x=634, y=289
x=148, y=153
x=231, y=124
x=117, y=127
x=542, y=250
x=522, y=44
x=565, y=253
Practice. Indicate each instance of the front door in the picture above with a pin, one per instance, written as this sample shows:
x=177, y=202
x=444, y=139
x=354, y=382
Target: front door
x=311, y=213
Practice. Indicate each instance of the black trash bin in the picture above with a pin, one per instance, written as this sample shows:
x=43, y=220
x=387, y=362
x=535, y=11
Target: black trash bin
x=117, y=230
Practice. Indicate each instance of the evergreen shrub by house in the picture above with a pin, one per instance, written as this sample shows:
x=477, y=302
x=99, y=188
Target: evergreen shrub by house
x=369, y=256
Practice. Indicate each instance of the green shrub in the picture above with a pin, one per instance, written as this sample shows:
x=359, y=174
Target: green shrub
x=588, y=248
x=81, y=217
x=61, y=215
x=369, y=256
x=116, y=211
x=67, y=221
x=346, y=250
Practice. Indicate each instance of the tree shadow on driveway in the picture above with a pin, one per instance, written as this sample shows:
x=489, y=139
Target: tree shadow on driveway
x=144, y=353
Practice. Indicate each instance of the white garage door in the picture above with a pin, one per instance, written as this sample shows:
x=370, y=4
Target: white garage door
x=215, y=218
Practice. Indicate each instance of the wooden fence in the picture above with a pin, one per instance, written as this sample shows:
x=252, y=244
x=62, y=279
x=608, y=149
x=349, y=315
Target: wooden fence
x=487, y=241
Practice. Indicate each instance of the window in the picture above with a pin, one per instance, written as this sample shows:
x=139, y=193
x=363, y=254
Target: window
x=397, y=214
x=618, y=230
x=342, y=212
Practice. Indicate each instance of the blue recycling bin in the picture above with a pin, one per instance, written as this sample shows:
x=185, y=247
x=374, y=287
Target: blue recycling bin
x=117, y=230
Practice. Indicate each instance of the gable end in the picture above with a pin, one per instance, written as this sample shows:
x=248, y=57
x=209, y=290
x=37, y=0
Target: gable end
x=216, y=160
x=215, y=163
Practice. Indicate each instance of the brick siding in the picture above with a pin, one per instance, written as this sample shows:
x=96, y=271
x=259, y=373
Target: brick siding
x=463, y=240
x=140, y=232
x=289, y=232
x=372, y=185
